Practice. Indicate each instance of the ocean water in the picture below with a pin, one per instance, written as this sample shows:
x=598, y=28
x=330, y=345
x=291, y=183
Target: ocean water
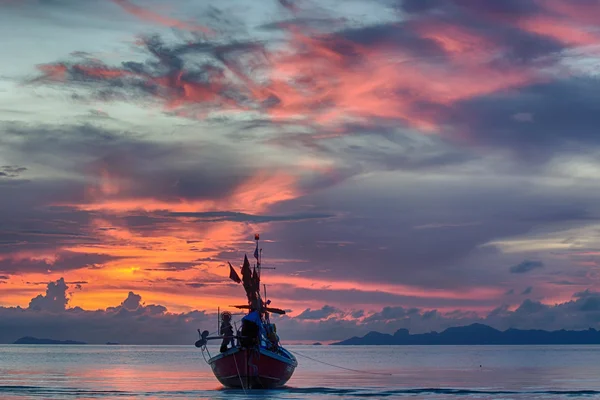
x=384, y=372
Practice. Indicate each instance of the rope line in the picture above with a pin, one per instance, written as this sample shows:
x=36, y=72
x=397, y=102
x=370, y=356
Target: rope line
x=337, y=366
x=239, y=375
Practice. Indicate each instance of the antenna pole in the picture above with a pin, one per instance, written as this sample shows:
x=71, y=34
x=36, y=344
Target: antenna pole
x=258, y=253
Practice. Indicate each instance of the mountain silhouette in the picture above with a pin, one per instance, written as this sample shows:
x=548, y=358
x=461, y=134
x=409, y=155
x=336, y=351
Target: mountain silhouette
x=477, y=334
x=33, y=340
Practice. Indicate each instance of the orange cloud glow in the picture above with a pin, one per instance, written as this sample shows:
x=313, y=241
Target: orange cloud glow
x=164, y=264
x=256, y=195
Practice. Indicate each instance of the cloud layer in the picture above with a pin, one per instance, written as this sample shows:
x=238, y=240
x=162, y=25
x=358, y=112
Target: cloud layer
x=135, y=322
x=438, y=156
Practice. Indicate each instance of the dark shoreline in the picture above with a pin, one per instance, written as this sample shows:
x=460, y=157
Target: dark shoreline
x=476, y=334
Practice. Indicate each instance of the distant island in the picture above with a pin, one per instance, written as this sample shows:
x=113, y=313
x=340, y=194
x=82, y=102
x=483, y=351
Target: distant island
x=33, y=340
x=477, y=334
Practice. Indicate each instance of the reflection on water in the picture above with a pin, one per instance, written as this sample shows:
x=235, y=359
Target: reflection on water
x=158, y=372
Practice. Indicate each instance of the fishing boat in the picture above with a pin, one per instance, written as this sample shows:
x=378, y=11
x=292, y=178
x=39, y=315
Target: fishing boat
x=250, y=356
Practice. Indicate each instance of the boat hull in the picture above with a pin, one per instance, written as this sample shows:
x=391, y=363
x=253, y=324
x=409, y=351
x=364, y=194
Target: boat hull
x=253, y=368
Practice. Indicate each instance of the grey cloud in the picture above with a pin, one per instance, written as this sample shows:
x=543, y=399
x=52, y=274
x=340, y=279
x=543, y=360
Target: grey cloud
x=578, y=314
x=419, y=6
x=174, y=266
x=374, y=297
x=171, y=66
x=392, y=313
x=322, y=313
x=216, y=216
x=526, y=266
x=197, y=285
x=64, y=261
x=132, y=302
x=10, y=171
x=491, y=123
x=528, y=290
x=508, y=8
x=494, y=21
x=55, y=299
x=565, y=282
x=442, y=258
x=131, y=322
x=150, y=168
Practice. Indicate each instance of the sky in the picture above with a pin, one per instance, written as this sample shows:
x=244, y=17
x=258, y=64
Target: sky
x=412, y=164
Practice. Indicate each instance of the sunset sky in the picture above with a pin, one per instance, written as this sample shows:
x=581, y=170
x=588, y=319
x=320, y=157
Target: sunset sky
x=408, y=164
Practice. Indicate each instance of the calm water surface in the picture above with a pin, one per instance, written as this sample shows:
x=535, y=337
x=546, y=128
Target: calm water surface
x=422, y=372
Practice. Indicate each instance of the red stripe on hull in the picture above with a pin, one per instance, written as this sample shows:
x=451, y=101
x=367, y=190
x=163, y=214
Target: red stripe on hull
x=252, y=369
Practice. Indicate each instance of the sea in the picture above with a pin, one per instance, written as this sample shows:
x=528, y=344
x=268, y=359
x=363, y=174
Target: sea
x=324, y=372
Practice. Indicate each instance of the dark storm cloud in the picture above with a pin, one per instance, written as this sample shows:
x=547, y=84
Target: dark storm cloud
x=526, y=266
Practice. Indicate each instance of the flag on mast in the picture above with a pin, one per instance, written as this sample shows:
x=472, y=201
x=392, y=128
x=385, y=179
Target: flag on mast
x=233, y=275
x=256, y=237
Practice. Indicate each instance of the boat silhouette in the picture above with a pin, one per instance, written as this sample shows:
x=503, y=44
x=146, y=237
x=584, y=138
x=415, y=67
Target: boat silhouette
x=250, y=356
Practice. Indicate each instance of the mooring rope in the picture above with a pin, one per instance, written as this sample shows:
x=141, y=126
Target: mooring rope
x=337, y=366
x=239, y=375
